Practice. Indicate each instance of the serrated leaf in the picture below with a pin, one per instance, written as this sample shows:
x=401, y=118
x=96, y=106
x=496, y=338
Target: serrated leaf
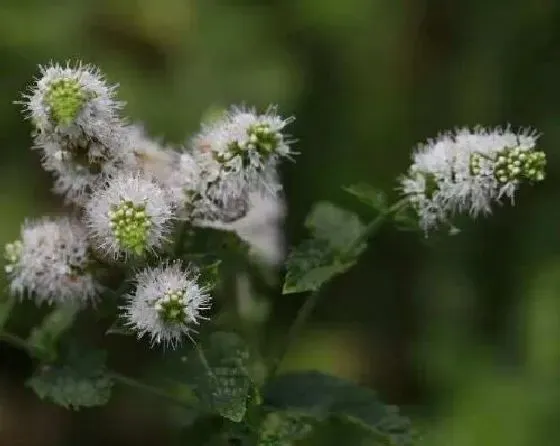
x=337, y=226
x=323, y=396
x=6, y=305
x=79, y=381
x=46, y=335
x=367, y=194
x=313, y=278
x=317, y=260
x=220, y=376
x=283, y=428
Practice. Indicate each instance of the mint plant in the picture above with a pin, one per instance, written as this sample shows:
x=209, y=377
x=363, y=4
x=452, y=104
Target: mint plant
x=157, y=237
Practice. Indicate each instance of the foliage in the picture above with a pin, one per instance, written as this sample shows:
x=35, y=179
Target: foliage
x=325, y=254
x=78, y=380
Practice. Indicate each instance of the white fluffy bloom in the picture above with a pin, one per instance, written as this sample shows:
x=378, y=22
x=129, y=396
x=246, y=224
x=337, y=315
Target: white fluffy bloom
x=51, y=262
x=78, y=130
x=167, y=304
x=243, y=146
x=176, y=172
x=468, y=170
x=72, y=102
x=130, y=215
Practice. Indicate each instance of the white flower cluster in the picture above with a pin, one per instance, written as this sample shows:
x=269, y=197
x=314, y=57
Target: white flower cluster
x=77, y=127
x=238, y=155
x=52, y=262
x=167, y=303
x=129, y=190
x=469, y=170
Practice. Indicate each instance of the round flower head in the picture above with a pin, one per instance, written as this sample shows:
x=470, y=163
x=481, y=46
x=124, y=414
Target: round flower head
x=78, y=130
x=167, y=304
x=72, y=102
x=51, y=262
x=468, y=170
x=243, y=144
x=129, y=215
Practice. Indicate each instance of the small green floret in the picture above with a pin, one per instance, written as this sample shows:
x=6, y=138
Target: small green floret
x=65, y=99
x=262, y=139
x=12, y=254
x=171, y=307
x=131, y=226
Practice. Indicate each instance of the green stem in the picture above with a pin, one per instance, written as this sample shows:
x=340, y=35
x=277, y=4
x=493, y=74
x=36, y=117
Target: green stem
x=133, y=383
x=311, y=302
x=17, y=342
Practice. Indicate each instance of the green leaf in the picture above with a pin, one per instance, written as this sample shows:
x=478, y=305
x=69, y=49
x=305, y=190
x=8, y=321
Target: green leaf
x=337, y=226
x=325, y=255
x=283, y=428
x=323, y=396
x=45, y=337
x=368, y=195
x=311, y=265
x=220, y=377
x=6, y=305
x=80, y=381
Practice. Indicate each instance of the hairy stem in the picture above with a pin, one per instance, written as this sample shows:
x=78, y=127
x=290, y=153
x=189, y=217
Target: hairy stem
x=311, y=302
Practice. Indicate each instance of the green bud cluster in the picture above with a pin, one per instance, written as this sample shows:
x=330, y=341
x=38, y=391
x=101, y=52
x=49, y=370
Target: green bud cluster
x=517, y=164
x=65, y=98
x=261, y=139
x=12, y=254
x=130, y=225
x=171, y=308
x=514, y=164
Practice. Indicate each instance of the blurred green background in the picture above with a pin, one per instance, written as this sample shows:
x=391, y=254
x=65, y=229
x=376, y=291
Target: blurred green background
x=463, y=332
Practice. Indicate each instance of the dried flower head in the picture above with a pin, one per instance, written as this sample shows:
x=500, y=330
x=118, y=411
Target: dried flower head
x=167, y=304
x=51, y=262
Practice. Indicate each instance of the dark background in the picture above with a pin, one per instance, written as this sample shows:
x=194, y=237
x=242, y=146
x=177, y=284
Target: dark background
x=463, y=333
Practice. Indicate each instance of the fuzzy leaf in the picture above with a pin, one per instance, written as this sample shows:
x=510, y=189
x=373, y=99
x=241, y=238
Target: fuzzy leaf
x=283, y=428
x=368, y=195
x=220, y=375
x=323, y=396
x=80, y=381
